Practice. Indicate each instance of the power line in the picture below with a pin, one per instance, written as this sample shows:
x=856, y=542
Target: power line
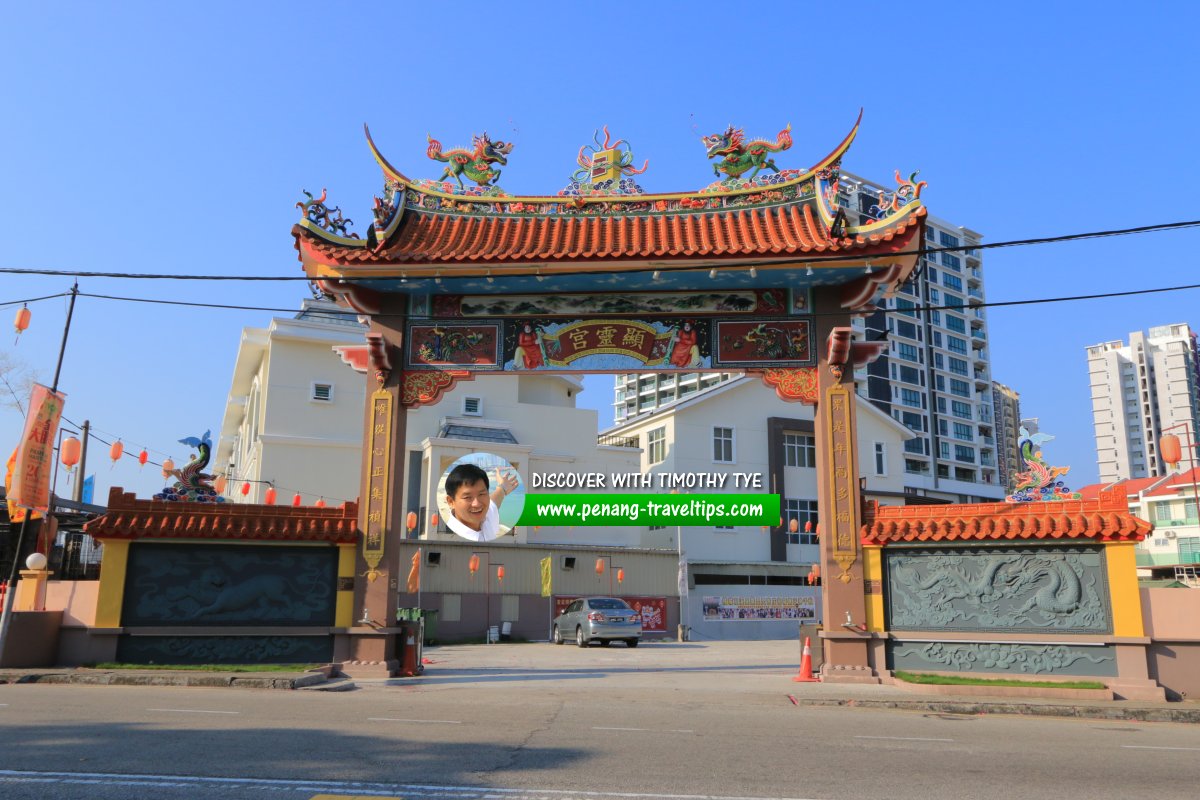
x=824, y=259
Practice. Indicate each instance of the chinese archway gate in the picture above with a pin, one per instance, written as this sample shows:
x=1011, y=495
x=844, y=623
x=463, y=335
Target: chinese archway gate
x=759, y=272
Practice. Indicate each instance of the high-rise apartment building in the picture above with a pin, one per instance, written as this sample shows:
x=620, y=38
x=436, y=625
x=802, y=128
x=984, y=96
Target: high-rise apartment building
x=935, y=377
x=1006, y=409
x=1141, y=390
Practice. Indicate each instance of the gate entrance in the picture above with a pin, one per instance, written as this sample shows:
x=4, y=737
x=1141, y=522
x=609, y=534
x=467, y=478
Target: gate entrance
x=758, y=272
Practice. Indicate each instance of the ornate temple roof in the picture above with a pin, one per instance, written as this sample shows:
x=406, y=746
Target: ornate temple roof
x=426, y=231
x=130, y=518
x=1105, y=519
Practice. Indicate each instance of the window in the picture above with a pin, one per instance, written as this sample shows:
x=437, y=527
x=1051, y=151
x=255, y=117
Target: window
x=960, y=388
x=943, y=452
x=937, y=338
x=943, y=427
x=956, y=345
x=1162, y=512
x=916, y=446
x=947, y=240
x=656, y=445
x=473, y=406
x=939, y=361
x=1189, y=509
x=964, y=432
x=723, y=445
x=880, y=458
x=953, y=262
x=799, y=450
x=907, y=351
x=906, y=307
x=961, y=410
x=932, y=275
x=910, y=397
x=939, y=383
x=935, y=296
x=802, y=511
x=912, y=375
x=322, y=393
x=957, y=366
x=724, y=527
x=964, y=453
x=941, y=401
x=914, y=422
x=935, y=317
x=906, y=329
x=956, y=324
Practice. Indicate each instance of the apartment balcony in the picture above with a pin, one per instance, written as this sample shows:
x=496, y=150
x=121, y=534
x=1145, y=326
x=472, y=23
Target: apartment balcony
x=988, y=441
x=978, y=338
x=981, y=356
x=976, y=293
x=617, y=441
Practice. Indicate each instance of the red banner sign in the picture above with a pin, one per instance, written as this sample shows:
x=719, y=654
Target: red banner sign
x=653, y=610
x=34, y=465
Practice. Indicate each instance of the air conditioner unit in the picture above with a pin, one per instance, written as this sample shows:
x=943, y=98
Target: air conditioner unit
x=1169, y=534
x=568, y=562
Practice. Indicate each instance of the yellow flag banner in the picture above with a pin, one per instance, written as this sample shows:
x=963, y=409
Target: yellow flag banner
x=30, y=484
x=15, y=513
x=546, y=576
x=414, y=574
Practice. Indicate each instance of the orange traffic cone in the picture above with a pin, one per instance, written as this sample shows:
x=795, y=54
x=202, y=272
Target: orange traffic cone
x=805, y=675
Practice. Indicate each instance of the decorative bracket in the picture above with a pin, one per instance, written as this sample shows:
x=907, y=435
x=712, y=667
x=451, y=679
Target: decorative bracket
x=796, y=385
x=426, y=388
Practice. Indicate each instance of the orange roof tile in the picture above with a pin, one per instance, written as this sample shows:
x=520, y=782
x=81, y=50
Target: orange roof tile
x=1175, y=483
x=1106, y=518
x=130, y=518
x=425, y=237
x=1092, y=490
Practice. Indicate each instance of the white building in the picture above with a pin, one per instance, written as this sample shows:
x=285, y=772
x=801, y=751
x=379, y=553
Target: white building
x=741, y=426
x=1140, y=391
x=1006, y=406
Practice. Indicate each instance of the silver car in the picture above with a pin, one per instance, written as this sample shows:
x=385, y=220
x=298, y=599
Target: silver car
x=603, y=619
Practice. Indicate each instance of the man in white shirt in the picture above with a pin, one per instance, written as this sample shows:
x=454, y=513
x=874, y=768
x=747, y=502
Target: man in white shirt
x=474, y=512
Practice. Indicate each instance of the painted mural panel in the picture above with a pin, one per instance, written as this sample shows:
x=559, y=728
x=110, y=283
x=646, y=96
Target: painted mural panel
x=607, y=345
x=461, y=346
x=1029, y=659
x=759, y=343
x=584, y=304
x=225, y=649
x=1015, y=589
x=181, y=585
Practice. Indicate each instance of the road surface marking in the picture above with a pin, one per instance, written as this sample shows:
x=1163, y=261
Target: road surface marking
x=904, y=738
x=645, y=730
x=192, y=711
x=1148, y=747
x=408, y=791
x=400, y=719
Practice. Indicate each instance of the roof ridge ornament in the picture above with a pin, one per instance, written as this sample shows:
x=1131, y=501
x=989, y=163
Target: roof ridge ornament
x=1039, y=481
x=605, y=168
x=475, y=163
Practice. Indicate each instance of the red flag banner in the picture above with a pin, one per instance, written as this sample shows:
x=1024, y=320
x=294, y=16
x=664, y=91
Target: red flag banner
x=30, y=484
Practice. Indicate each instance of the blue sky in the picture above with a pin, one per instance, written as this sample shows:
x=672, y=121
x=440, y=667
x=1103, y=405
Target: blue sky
x=157, y=138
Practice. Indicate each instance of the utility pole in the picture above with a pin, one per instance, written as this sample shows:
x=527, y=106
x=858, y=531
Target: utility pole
x=77, y=492
x=10, y=592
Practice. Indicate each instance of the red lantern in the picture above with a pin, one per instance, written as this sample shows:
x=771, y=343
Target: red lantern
x=116, y=451
x=22, y=320
x=296, y=499
x=500, y=573
x=817, y=530
x=69, y=452
x=245, y=488
x=168, y=466
x=143, y=457
x=433, y=520
x=620, y=576
x=473, y=564
x=320, y=502
x=410, y=521
x=219, y=484
x=270, y=495
x=808, y=526
x=1169, y=449
x=599, y=566
x=794, y=525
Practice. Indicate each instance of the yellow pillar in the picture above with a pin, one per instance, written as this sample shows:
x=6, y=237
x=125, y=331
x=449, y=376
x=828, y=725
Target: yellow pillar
x=344, y=610
x=31, y=591
x=1123, y=589
x=873, y=577
x=112, y=583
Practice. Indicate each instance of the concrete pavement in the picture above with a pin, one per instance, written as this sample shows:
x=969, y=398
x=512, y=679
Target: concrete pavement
x=739, y=672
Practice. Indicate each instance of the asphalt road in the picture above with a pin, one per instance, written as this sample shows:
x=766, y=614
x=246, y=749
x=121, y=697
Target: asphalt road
x=546, y=723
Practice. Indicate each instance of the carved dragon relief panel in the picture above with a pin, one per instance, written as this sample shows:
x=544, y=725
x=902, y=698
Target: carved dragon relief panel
x=1017, y=589
x=225, y=649
x=221, y=585
x=1053, y=659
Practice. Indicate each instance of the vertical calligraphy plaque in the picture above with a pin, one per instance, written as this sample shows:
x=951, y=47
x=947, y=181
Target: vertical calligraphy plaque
x=843, y=479
x=379, y=464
